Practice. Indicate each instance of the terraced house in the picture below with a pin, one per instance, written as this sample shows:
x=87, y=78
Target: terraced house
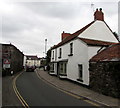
x=70, y=58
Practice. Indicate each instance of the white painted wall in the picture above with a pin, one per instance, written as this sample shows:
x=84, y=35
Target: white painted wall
x=92, y=51
x=80, y=56
x=52, y=60
x=24, y=60
x=33, y=62
x=98, y=31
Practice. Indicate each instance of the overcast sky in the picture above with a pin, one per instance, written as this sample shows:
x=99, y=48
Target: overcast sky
x=28, y=24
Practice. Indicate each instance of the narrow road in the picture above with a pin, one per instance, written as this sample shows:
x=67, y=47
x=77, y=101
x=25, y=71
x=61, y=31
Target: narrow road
x=37, y=93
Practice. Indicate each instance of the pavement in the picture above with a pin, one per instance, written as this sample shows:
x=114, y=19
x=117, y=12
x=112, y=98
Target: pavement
x=78, y=90
x=9, y=99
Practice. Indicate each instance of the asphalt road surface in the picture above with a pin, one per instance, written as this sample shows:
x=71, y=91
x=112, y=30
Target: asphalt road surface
x=38, y=93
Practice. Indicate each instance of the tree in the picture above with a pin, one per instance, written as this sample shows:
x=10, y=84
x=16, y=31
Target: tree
x=117, y=36
x=48, y=57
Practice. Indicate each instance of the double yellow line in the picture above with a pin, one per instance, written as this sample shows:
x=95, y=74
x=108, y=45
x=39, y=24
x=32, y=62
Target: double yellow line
x=71, y=94
x=23, y=102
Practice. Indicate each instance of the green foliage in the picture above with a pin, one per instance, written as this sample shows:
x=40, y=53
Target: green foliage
x=48, y=57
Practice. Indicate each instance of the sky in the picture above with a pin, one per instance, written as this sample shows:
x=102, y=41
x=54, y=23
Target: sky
x=26, y=24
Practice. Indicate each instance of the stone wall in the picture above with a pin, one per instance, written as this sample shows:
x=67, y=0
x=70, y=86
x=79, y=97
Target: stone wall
x=14, y=55
x=105, y=78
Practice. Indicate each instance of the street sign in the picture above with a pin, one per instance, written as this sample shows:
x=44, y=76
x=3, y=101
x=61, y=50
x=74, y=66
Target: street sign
x=6, y=65
x=6, y=61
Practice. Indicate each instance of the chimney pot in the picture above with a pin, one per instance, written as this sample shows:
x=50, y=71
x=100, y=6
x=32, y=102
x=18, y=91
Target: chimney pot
x=99, y=15
x=100, y=9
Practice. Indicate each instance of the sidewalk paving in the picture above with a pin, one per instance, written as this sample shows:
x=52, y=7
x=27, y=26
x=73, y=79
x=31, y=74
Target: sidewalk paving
x=79, y=90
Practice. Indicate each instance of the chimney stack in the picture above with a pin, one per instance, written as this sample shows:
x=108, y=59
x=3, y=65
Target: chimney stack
x=64, y=35
x=99, y=15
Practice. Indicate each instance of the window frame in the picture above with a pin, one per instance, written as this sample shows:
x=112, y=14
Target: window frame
x=71, y=49
x=60, y=53
x=52, y=54
x=80, y=72
x=52, y=67
x=63, y=68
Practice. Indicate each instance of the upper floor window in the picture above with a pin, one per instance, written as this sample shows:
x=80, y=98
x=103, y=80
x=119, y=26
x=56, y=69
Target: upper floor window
x=53, y=55
x=60, y=53
x=71, y=49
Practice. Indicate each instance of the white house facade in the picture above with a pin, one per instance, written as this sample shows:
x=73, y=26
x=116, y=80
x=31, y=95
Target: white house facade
x=70, y=58
x=32, y=61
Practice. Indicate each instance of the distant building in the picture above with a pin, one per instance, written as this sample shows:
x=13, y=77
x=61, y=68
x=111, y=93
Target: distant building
x=32, y=60
x=70, y=58
x=12, y=59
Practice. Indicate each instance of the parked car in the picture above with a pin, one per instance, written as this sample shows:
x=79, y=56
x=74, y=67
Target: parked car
x=30, y=68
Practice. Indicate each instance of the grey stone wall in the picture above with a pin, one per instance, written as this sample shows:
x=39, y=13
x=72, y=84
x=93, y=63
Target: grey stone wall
x=105, y=78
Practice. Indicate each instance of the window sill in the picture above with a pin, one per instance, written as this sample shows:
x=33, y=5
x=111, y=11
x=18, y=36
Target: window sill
x=70, y=55
x=51, y=71
x=80, y=80
x=63, y=74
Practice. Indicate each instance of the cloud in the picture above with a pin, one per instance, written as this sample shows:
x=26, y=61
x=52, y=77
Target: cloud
x=28, y=24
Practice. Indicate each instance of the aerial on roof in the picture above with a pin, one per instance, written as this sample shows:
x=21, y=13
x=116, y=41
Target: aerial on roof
x=111, y=53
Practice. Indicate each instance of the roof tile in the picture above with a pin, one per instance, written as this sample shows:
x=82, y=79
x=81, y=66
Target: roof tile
x=111, y=53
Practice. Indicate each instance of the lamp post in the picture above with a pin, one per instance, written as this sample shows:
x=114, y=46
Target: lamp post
x=45, y=46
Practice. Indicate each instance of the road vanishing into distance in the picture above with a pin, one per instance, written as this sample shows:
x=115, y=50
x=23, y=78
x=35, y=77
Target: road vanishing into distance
x=36, y=92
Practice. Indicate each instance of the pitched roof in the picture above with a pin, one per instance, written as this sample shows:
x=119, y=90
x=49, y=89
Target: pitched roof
x=73, y=36
x=111, y=53
x=111, y=31
x=96, y=42
x=88, y=41
x=30, y=57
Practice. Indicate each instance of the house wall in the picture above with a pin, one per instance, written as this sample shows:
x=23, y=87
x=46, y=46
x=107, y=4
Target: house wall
x=38, y=62
x=33, y=63
x=14, y=55
x=80, y=56
x=92, y=50
x=99, y=31
x=53, y=58
x=24, y=60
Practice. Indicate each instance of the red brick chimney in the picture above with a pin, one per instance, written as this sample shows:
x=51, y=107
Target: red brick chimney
x=99, y=15
x=64, y=35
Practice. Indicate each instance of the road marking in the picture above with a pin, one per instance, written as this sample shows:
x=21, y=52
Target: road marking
x=71, y=94
x=23, y=102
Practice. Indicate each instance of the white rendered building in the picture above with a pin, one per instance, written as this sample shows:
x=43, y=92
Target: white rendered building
x=70, y=58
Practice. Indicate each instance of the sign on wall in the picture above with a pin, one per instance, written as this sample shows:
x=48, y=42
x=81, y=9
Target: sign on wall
x=6, y=63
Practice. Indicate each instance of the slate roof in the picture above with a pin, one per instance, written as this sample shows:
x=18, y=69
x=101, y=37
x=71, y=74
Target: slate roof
x=111, y=53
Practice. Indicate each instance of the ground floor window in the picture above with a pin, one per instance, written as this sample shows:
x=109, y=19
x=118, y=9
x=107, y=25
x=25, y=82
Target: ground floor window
x=80, y=72
x=52, y=67
x=63, y=68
